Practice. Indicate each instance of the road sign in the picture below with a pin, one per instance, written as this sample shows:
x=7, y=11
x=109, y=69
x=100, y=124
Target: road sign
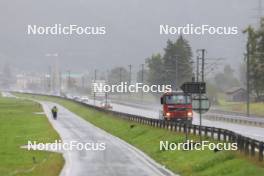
x=200, y=104
x=194, y=87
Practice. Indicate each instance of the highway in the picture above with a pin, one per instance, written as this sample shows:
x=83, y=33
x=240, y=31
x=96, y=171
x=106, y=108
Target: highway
x=153, y=112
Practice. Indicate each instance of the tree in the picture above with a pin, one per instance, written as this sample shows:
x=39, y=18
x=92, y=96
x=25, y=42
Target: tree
x=259, y=62
x=118, y=75
x=178, y=55
x=175, y=67
x=242, y=74
x=255, y=47
x=156, y=70
x=226, y=80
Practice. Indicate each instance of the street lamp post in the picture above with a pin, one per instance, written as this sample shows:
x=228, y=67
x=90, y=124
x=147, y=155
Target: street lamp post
x=54, y=77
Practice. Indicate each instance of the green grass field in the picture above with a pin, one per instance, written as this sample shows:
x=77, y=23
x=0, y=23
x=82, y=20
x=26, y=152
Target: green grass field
x=18, y=124
x=146, y=138
x=255, y=108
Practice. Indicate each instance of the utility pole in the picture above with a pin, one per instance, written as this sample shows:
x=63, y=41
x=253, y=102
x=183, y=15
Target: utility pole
x=142, y=73
x=54, y=72
x=46, y=82
x=69, y=79
x=203, y=58
x=130, y=76
x=200, y=94
x=197, y=69
x=176, y=73
x=142, y=79
x=200, y=114
x=130, y=72
x=120, y=75
x=60, y=82
x=82, y=81
x=50, y=79
x=203, y=53
x=248, y=89
x=107, y=76
x=95, y=75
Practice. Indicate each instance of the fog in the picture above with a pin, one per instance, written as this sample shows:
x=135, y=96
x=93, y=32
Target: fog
x=132, y=31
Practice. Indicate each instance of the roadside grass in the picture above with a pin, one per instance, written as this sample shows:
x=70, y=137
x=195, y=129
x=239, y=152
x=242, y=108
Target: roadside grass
x=18, y=124
x=256, y=108
x=147, y=139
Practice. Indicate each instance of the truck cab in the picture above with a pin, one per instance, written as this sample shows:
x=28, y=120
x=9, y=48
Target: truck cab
x=176, y=106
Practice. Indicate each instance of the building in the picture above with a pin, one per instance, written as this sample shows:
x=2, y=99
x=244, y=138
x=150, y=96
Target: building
x=28, y=81
x=236, y=94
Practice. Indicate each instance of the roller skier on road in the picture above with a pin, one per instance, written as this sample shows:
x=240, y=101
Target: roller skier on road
x=54, y=112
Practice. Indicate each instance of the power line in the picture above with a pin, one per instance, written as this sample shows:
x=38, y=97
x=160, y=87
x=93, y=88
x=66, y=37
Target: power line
x=212, y=66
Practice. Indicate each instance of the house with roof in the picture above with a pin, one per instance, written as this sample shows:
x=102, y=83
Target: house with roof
x=236, y=94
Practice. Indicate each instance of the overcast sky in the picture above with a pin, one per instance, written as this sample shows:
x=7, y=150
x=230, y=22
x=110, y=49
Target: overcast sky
x=132, y=30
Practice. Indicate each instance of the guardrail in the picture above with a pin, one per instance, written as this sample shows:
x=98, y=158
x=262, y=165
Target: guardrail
x=217, y=115
x=246, y=145
x=235, y=113
x=235, y=119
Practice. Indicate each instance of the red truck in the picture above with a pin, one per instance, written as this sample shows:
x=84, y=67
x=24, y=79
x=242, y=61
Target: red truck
x=176, y=106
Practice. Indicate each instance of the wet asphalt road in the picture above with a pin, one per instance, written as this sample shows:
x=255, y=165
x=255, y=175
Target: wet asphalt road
x=118, y=159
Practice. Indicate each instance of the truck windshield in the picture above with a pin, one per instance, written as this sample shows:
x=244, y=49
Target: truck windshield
x=177, y=99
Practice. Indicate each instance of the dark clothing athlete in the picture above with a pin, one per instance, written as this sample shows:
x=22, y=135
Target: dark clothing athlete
x=54, y=112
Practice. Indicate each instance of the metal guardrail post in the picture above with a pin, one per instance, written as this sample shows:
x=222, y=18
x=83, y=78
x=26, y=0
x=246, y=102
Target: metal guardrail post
x=238, y=139
x=230, y=136
x=261, y=146
x=242, y=142
x=180, y=127
x=171, y=126
x=252, y=148
x=212, y=132
x=205, y=131
x=167, y=125
x=175, y=126
x=225, y=135
x=189, y=128
x=219, y=134
x=246, y=146
x=184, y=127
